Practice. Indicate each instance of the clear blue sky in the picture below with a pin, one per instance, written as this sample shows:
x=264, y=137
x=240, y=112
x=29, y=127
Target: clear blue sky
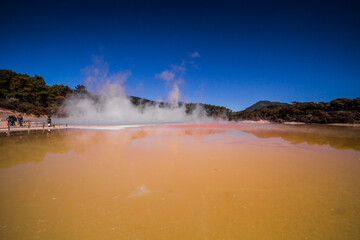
x=249, y=50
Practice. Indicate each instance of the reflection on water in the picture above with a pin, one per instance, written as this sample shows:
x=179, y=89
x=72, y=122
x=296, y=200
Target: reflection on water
x=334, y=136
x=182, y=182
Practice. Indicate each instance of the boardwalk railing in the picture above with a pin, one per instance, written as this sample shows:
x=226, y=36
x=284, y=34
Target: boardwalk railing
x=29, y=125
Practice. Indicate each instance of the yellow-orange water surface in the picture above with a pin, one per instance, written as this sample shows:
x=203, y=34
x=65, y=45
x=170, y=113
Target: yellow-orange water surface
x=248, y=181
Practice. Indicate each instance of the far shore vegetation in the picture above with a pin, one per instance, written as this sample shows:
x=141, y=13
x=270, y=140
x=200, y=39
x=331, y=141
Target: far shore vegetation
x=31, y=95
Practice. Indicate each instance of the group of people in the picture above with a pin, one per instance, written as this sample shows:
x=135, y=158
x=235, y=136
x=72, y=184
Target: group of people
x=11, y=120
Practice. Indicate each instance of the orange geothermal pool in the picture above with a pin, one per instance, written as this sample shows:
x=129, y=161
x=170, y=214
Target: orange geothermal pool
x=216, y=181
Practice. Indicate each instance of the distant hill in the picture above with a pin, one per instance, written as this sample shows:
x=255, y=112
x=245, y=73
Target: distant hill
x=265, y=104
x=340, y=110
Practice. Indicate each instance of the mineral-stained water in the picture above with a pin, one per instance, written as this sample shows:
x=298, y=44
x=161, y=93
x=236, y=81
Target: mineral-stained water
x=218, y=181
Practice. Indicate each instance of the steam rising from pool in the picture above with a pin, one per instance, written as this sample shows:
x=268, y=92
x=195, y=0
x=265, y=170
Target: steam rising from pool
x=112, y=106
x=116, y=108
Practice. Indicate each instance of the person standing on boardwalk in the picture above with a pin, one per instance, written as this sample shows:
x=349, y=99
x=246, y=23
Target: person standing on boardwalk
x=11, y=120
x=21, y=119
x=49, y=121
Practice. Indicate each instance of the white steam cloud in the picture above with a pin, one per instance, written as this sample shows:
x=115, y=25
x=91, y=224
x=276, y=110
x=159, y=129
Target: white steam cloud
x=110, y=105
x=194, y=55
x=173, y=77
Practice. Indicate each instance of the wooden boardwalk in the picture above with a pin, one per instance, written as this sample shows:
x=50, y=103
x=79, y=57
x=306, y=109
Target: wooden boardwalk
x=31, y=127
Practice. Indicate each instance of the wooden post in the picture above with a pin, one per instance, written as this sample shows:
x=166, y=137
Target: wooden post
x=28, y=127
x=8, y=133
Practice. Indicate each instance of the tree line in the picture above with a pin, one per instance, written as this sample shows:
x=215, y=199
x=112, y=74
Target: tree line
x=341, y=110
x=31, y=95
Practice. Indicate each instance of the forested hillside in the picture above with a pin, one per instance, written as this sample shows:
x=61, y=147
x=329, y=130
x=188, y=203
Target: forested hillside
x=27, y=94
x=32, y=95
x=341, y=110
